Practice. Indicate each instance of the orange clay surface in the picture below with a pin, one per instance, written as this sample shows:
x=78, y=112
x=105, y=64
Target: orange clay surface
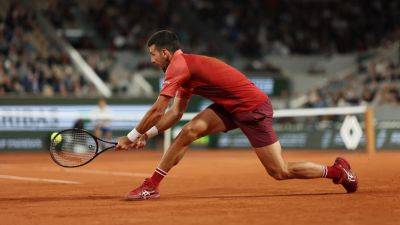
x=207, y=187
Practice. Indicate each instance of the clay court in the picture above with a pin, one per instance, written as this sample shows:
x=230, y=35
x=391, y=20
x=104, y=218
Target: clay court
x=208, y=187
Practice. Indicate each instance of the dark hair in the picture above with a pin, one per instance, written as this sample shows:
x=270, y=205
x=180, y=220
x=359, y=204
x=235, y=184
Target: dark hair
x=164, y=39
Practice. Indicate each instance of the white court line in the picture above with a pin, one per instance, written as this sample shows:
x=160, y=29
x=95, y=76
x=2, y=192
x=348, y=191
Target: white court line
x=37, y=179
x=101, y=172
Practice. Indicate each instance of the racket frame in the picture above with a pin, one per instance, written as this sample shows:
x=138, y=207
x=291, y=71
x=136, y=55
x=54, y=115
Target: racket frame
x=97, y=153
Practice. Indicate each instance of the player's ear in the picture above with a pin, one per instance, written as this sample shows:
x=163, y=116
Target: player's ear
x=165, y=53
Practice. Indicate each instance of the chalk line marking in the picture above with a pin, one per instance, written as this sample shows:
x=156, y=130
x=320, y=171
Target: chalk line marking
x=2, y=176
x=100, y=172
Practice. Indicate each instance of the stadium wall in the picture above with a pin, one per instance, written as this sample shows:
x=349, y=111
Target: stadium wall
x=33, y=133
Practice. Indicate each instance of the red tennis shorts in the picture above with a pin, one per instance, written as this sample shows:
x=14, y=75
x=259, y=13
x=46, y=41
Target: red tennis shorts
x=255, y=124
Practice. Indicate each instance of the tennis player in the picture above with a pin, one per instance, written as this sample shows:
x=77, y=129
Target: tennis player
x=238, y=103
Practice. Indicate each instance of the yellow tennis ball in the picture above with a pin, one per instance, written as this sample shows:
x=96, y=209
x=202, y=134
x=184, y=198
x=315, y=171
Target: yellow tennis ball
x=57, y=139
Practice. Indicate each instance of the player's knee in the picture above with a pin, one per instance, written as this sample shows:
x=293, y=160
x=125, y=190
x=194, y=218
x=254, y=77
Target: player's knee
x=279, y=173
x=188, y=132
x=192, y=131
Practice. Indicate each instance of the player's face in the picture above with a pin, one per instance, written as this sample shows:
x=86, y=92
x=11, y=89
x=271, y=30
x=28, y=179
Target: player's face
x=159, y=57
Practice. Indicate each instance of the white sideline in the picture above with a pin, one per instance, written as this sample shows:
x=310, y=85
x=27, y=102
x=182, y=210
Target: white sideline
x=100, y=172
x=2, y=176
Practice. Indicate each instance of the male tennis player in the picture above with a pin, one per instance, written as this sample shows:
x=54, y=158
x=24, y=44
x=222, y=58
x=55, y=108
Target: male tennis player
x=238, y=103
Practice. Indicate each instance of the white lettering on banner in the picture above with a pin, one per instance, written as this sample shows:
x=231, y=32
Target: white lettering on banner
x=326, y=139
x=293, y=139
x=48, y=117
x=351, y=132
x=18, y=117
x=338, y=140
x=27, y=122
x=380, y=138
x=395, y=138
x=21, y=143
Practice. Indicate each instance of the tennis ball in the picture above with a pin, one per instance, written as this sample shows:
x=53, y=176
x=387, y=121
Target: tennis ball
x=57, y=139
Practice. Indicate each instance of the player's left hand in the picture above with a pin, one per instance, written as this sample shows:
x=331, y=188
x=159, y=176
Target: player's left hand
x=123, y=143
x=141, y=142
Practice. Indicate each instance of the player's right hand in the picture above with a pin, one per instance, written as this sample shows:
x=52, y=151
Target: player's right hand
x=123, y=143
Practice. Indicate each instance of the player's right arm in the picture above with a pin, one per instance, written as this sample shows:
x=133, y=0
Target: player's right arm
x=173, y=115
x=169, y=119
x=176, y=75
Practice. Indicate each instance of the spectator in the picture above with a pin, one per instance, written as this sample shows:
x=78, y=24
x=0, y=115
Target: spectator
x=102, y=113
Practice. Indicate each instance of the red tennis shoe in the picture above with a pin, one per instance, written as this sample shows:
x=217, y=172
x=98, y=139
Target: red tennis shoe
x=145, y=191
x=347, y=178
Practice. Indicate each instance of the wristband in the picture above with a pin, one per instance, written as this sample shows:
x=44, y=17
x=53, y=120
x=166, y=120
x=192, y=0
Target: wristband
x=133, y=135
x=152, y=132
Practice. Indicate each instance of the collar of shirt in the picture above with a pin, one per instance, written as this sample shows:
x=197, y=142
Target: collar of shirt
x=177, y=52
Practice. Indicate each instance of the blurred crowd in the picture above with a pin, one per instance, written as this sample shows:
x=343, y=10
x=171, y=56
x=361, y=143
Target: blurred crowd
x=31, y=64
x=252, y=28
x=377, y=83
x=306, y=27
x=122, y=24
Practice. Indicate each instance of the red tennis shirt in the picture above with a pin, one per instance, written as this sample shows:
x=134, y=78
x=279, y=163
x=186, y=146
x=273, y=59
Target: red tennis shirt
x=211, y=78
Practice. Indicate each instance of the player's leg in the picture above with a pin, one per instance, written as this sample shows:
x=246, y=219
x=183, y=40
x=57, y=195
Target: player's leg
x=209, y=121
x=340, y=173
x=271, y=158
x=257, y=126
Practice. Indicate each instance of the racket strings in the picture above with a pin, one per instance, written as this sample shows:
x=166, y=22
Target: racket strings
x=74, y=148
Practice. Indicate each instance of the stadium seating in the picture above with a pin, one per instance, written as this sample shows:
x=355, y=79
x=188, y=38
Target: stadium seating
x=30, y=62
x=102, y=31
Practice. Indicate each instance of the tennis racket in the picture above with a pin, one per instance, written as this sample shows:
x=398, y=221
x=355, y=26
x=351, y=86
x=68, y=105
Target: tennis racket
x=77, y=147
